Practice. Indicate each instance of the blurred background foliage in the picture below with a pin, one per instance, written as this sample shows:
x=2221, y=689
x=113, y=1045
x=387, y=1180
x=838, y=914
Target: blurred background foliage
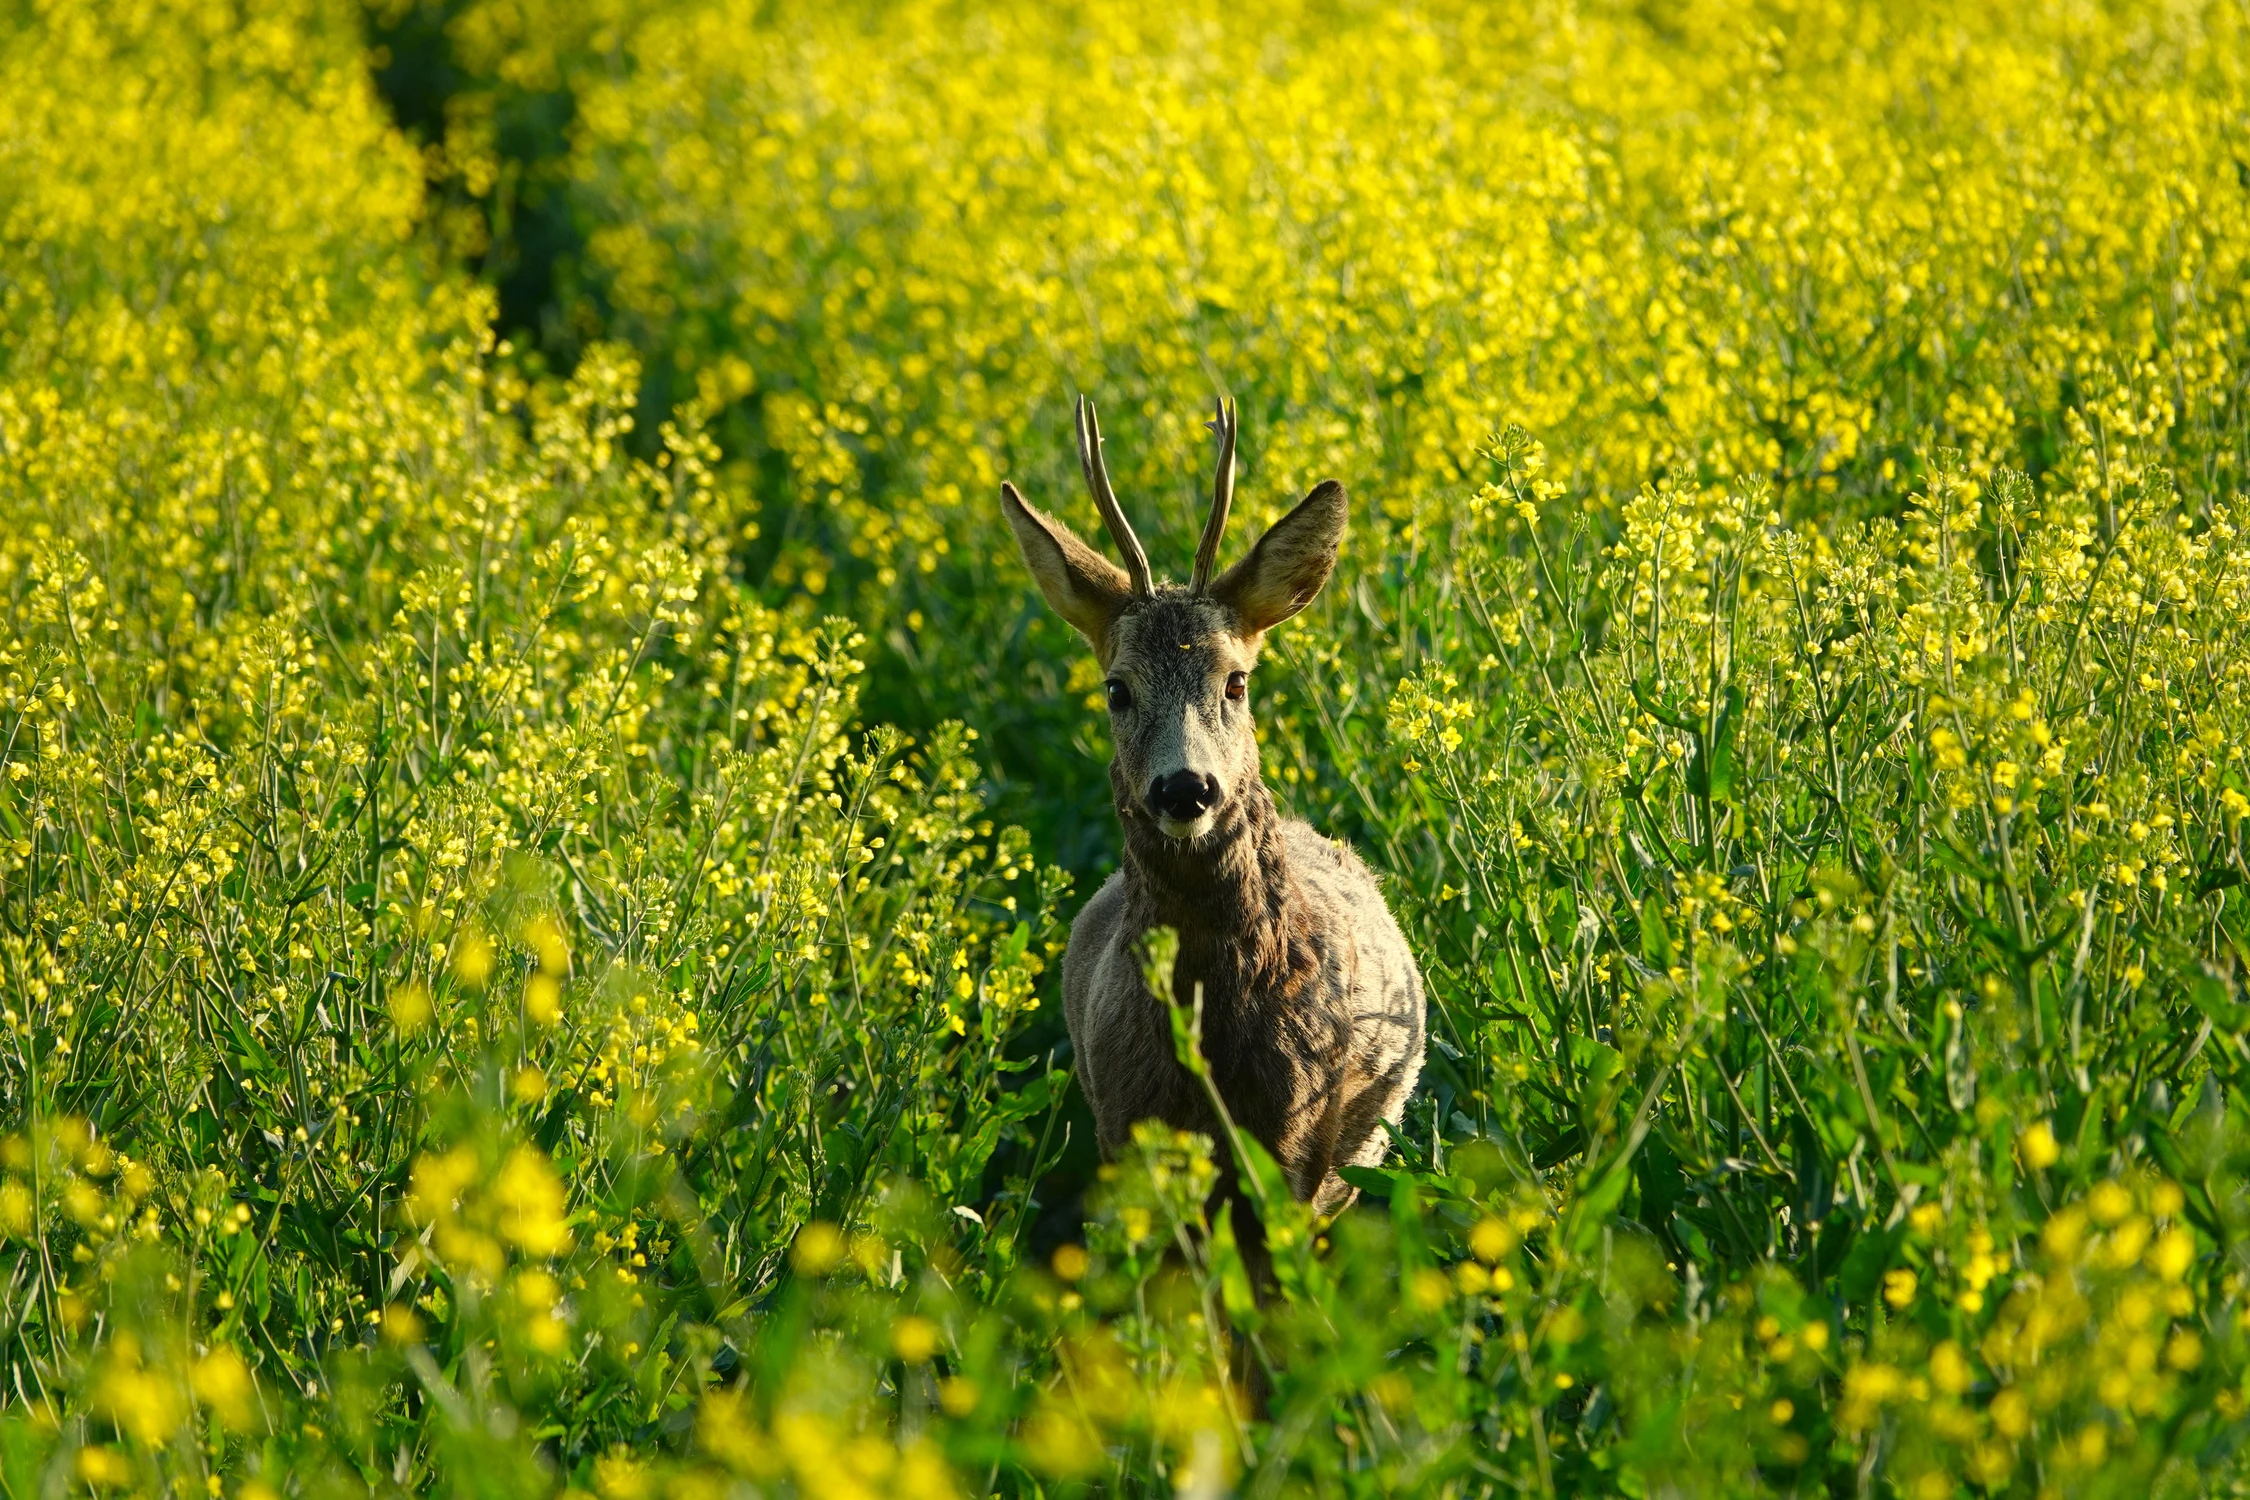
x=539, y=811
x=1710, y=242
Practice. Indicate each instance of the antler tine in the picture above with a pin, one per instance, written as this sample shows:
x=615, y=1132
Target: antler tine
x=1105, y=498
x=1225, y=423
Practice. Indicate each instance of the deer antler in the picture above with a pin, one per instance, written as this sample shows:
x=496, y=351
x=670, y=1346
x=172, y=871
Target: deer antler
x=1105, y=498
x=1225, y=423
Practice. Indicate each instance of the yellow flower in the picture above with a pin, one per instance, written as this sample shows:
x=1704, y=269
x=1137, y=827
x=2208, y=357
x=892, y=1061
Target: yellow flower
x=1949, y=1369
x=2038, y=1148
x=410, y=1008
x=1868, y=1388
x=472, y=958
x=2011, y=1414
x=1059, y=1444
x=2172, y=1254
x=923, y=1473
x=222, y=1383
x=725, y=1429
x=100, y=1466
x=2109, y=1202
x=531, y=1203
x=914, y=1339
x=1491, y=1239
x=1429, y=1289
x=818, y=1249
x=545, y=939
x=400, y=1325
x=542, y=998
x=618, y=1475
x=142, y=1402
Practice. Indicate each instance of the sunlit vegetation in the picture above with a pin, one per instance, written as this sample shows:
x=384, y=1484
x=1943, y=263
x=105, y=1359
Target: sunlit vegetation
x=538, y=810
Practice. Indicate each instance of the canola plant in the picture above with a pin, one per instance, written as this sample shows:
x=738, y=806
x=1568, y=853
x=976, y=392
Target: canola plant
x=533, y=846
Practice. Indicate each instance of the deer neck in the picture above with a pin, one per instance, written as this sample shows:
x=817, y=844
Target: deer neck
x=1229, y=895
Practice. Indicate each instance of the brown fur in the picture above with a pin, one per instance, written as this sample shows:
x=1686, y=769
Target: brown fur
x=1308, y=1055
x=1313, y=1007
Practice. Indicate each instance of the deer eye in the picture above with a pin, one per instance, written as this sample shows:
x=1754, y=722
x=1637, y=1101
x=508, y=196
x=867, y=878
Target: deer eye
x=1120, y=696
x=1238, y=686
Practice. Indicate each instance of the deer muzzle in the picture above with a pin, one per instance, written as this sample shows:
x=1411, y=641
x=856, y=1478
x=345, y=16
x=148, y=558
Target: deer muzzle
x=1182, y=798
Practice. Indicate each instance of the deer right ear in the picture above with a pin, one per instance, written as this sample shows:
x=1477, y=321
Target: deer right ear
x=1290, y=563
x=1080, y=584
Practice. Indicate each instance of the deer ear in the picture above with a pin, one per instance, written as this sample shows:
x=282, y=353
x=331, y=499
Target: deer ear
x=1290, y=563
x=1080, y=584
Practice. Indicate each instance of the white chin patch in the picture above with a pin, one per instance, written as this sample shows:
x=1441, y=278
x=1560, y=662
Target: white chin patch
x=1195, y=828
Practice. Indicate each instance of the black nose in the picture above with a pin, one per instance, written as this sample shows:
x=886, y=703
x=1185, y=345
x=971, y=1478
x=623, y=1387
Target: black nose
x=1183, y=796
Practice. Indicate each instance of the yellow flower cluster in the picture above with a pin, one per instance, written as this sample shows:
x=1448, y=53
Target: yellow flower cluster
x=479, y=1213
x=1802, y=242
x=2096, y=1341
x=819, y=1454
x=406, y=801
x=473, y=995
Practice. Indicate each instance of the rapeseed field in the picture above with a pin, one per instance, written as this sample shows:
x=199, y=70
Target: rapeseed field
x=539, y=810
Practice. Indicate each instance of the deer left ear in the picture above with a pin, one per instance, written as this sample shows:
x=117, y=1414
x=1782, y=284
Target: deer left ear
x=1079, y=584
x=1289, y=565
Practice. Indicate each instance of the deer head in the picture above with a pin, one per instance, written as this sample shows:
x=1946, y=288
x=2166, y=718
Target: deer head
x=1178, y=661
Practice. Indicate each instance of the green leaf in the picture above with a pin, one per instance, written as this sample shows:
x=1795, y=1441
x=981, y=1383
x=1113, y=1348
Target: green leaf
x=1870, y=1255
x=2212, y=995
x=1644, y=693
x=1372, y=1179
x=1721, y=778
x=1257, y=1163
x=1656, y=938
x=1235, y=1292
x=1594, y=1207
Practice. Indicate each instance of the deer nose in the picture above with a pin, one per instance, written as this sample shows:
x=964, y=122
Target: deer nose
x=1183, y=796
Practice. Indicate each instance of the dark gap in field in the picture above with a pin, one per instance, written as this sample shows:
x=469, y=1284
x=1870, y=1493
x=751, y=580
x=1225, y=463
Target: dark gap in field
x=531, y=236
x=532, y=256
x=546, y=305
x=549, y=307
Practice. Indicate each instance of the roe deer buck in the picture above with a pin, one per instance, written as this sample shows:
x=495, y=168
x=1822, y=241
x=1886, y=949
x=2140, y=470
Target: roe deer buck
x=1313, y=1010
